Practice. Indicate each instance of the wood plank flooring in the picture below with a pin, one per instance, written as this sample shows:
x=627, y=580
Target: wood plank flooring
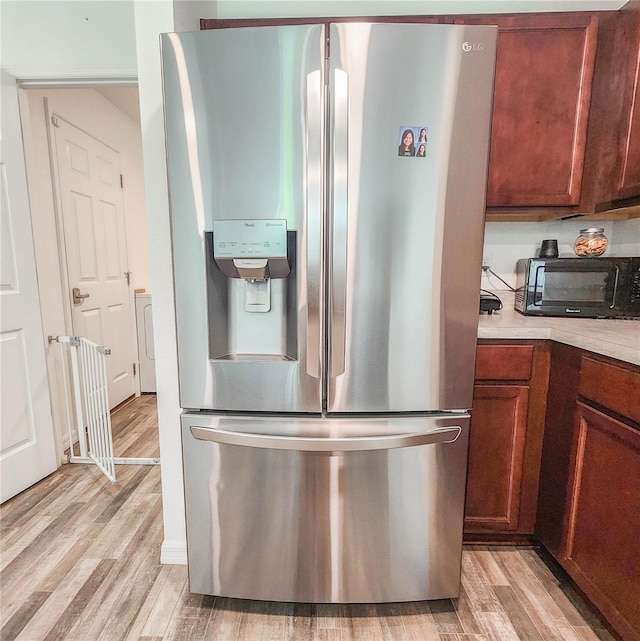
x=79, y=562
x=135, y=428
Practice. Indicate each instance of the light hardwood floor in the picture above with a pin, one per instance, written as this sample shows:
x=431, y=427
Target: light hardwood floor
x=135, y=428
x=79, y=562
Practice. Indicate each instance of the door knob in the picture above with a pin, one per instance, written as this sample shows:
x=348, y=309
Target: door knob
x=77, y=296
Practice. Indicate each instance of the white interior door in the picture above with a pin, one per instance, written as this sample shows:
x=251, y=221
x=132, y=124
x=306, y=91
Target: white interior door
x=90, y=191
x=27, y=442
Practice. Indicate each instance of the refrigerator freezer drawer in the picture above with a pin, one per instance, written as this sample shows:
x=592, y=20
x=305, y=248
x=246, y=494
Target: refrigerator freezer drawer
x=371, y=513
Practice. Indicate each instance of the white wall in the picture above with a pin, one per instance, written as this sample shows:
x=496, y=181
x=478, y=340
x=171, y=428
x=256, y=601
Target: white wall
x=68, y=39
x=505, y=243
x=90, y=111
x=625, y=237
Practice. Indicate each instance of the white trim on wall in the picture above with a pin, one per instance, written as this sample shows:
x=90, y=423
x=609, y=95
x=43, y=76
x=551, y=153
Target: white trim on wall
x=153, y=17
x=63, y=74
x=173, y=553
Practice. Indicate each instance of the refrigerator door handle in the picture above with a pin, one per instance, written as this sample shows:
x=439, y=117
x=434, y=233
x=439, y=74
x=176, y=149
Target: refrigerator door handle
x=339, y=221
x=308, y=444
x=314, y=127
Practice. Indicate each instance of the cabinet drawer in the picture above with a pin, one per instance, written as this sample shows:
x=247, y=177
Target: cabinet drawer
x=614, y=387
x=504, y=362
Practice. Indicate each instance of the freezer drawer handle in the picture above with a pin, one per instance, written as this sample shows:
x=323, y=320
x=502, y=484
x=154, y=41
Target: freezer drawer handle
x=308, y=444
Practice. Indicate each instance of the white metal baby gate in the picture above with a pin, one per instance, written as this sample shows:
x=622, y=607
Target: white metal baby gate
x=89, y=392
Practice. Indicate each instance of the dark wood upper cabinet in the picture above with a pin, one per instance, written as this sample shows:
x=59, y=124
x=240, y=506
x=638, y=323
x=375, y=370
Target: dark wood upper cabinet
x=612, y=169
x=544, y=73
x=566, y=117
x=629, y=184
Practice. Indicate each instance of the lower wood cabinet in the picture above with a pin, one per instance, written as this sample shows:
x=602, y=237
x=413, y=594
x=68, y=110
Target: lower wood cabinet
x=589, y=502
x=496, y=455
x=564, y=379
x=602, y=544
x=505, y=442
x=554, y=457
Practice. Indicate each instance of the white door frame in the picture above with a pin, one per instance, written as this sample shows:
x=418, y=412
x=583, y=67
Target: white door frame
x=84, y=83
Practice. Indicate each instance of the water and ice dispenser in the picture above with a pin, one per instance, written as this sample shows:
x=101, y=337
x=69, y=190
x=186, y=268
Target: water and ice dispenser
x=251, y=290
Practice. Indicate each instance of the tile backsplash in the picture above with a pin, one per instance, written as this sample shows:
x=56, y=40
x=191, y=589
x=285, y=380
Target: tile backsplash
x=505, y=243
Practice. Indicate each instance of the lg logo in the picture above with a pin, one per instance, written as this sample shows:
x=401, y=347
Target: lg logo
x=473, y=46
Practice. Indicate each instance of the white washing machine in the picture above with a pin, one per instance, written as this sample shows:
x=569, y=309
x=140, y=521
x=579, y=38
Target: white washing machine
x=146, y=356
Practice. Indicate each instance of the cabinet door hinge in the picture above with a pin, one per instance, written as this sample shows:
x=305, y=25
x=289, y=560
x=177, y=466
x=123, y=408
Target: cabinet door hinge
x=121, y=182
x=54, y=121
x=135, y=369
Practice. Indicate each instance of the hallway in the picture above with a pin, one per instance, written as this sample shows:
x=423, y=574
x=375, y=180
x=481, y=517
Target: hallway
x=135, y=428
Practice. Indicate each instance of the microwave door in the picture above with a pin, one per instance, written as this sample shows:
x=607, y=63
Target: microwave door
x=581, y=287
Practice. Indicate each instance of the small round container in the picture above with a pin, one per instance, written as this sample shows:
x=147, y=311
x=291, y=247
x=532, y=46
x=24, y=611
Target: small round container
x=591, y=242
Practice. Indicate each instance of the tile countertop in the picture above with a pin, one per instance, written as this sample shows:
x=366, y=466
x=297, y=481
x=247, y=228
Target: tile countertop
x=615, y=338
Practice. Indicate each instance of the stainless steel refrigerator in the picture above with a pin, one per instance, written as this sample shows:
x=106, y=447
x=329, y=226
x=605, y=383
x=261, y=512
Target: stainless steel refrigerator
x=327, y=188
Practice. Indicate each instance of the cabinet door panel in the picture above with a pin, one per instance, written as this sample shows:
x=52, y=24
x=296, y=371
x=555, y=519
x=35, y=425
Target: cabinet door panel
x=556, y=452
x=612, y=162
x=496, y=453
x=602, y=549
x=544, y=71
x=630, y=175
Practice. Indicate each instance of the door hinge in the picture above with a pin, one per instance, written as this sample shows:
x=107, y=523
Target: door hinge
x=121, y=182
x=127, y=275
x=54, y=121
x=135, y=369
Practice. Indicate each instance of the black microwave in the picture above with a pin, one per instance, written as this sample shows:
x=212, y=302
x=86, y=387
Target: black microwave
x=588, y=287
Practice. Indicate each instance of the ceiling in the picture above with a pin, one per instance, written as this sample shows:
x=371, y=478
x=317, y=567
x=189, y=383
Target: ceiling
x=124, y=98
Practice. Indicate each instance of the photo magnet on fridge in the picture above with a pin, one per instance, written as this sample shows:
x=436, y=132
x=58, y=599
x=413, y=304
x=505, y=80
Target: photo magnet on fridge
x=412, y=141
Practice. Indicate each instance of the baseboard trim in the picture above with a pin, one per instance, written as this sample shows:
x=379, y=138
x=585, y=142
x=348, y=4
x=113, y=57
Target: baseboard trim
x=492, y=538
x=173, y=553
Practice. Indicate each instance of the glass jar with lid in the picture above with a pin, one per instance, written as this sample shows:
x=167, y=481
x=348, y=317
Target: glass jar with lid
x=591, y=242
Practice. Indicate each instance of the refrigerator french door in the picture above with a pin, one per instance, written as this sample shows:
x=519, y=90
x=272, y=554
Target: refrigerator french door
x=327, y=188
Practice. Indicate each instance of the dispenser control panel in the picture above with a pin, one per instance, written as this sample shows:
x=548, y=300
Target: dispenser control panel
x=250, y=238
